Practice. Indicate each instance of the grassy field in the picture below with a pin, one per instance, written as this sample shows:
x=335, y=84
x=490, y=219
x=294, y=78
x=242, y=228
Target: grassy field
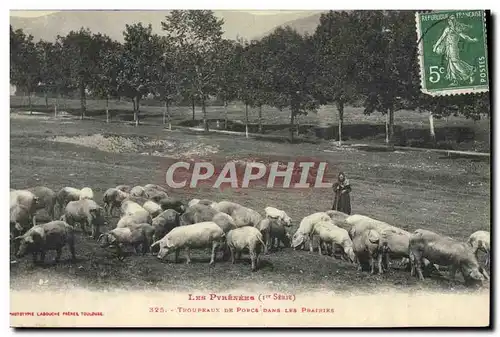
x=408, y=189
x=411, y=128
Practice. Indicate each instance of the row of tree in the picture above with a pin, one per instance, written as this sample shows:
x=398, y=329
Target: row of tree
x=360, y=55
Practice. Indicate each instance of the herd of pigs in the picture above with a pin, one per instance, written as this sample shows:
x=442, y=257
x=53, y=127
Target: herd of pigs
x=152, y=222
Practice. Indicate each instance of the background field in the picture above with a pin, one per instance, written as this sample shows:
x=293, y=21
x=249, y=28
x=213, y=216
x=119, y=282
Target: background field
x=411, y=127
x=407, y=189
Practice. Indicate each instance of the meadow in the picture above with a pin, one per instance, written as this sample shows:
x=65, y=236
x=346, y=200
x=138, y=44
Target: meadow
x=411, y=127
x=407, y=189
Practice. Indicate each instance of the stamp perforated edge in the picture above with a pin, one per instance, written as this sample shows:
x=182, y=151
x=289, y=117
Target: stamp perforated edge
x=420, y=55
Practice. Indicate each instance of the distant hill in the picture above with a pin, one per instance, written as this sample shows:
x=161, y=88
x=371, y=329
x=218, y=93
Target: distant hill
x=302, y=25
x=112, y=22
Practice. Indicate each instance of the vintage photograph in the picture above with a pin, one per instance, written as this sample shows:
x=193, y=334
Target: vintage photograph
x=250, y=168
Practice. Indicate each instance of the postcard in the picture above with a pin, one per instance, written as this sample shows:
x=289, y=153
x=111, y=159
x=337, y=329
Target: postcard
x=230, y=168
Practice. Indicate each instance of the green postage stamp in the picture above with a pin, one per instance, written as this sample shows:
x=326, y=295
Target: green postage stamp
x=453, y=53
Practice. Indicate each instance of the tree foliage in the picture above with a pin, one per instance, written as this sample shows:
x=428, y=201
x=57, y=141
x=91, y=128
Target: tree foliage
x=138, y=72
x=25, y=63
x=54, y=70
x=196, y=35
x=368, y=56
x=290, y=65
x=105, y=80
x=227, y=70
x=81, y=52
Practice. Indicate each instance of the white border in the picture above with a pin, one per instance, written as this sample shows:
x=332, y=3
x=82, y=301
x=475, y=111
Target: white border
x=254, y=5
x=173, y=4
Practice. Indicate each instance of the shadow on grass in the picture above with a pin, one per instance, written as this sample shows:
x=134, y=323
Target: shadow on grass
x=447, y=137
x=472, y=158
x=376, y=149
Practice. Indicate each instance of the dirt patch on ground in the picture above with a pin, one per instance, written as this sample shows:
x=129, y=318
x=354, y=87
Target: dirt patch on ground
x=141, y=145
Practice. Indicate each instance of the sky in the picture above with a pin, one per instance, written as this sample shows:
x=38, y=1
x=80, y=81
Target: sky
x=41, y=12
x=31, y=14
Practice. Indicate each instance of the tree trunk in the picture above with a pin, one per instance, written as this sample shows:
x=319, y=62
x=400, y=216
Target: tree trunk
x=169, y=116
x=431, y=126
x=107, y=109
x=29, y=103
x=292, y=119
x=135, y=108
x=340, y=107
x=82, y=100
x=46, y=100
x=260, y=119
x=391, y=124
x=55, y=105
x=204, y=111
x=387, y=127
x=192, y=103
x=165, y=113
x=298, y=125
x=225, y=115
x=246, y=120
x=137, y=111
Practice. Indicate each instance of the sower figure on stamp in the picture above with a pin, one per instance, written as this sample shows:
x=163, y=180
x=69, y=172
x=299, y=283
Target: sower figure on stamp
x=457, y=70
x=342, y=190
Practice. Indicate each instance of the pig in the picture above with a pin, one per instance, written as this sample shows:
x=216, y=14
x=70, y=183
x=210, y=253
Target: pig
x=225, y=222
x=23, y=206
x=172, y=203
x=85, y=212
x=227, y=207
x=138, y=191
x=244, y=216
x=47, y=199
x=245, y=238
x=153, y=193
x=396, y=238
x=444, y=251
x=21, y=220
x=152, y=207
x=197, y=213
x=165, y=222
x=86, y=193
x=65, y=195
x=155, y=187
x=49, y=236
x=193, y=202
x=337, y=215
x=135, y=218
x=278, y=215
x=137, y=200
x=26, y=199
x=113, y=198
x=278, y=233
x=134, y=235
x=130, y=207
x=334, y=236
x=124, y=188
x=303, y=233
x=207, y=202
x=480, y=241
x=198, y=235
x=368, y=250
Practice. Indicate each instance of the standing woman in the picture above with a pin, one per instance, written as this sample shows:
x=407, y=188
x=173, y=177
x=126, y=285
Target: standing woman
x=342, y=189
